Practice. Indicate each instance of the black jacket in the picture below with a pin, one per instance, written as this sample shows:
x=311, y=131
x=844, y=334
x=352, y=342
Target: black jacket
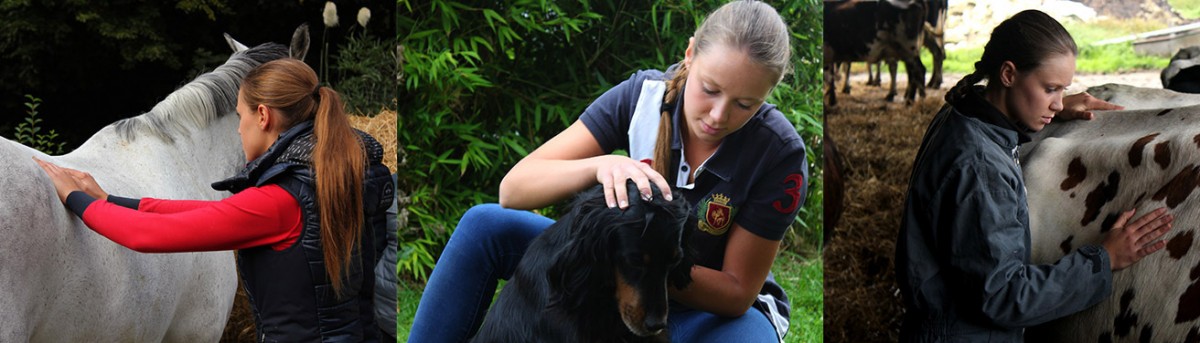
x=962, y=255
x=292, y=296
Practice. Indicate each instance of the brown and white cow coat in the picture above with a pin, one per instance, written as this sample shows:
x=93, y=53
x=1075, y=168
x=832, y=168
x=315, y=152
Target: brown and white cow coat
x=1080, y=176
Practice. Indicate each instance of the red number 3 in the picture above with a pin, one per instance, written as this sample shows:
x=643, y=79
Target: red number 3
x=794, y=192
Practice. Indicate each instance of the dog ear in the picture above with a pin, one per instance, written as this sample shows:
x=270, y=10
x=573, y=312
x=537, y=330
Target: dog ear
x=681, y=274
x=582, y=263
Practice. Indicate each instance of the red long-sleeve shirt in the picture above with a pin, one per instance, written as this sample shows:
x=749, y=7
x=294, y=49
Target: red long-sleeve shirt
x=257, y=216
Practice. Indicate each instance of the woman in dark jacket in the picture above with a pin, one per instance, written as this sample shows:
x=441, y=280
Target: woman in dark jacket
x=306, y=216
x=963, y=251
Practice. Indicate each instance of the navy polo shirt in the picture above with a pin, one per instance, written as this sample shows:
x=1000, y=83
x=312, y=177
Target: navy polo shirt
x=757, y=178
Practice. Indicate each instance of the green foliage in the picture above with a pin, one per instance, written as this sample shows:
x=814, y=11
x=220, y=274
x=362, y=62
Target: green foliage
x=799, y=97
x=30, y=133
x=1189, y=9
x=802, y=279
x=485, y=83
x=1110, y=58
x=1116, y=58
x=366, y=68
x=134, y=27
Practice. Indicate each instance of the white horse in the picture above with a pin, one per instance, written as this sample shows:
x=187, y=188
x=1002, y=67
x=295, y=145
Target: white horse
x=62, y=282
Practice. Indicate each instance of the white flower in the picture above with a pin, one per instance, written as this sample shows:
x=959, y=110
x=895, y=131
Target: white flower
x=364, y=15
x=330, y=14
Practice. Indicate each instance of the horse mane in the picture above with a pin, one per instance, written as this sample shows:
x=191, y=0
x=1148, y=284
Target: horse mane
x=201, y=101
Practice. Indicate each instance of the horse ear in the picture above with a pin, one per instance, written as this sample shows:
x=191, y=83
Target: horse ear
x=234, y=44
x=299, y=47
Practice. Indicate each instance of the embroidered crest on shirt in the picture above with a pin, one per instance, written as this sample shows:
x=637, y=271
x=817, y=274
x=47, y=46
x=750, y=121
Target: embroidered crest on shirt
x=715, y=215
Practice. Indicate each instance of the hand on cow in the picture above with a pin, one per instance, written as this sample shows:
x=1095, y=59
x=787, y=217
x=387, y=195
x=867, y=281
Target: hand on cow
x=64, y=182
x=613, y=176
x=1126, y=244
x=1081, y=105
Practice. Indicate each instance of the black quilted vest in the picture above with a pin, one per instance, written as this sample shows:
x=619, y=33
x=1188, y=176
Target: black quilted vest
x=292, y=297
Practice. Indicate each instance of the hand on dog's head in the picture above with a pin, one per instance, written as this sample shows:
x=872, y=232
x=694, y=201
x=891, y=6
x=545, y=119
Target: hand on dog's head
x=642, y=247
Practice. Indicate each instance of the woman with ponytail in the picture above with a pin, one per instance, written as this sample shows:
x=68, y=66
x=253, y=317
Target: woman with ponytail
x=963, y=254
x=306, y=216
x=701, y=130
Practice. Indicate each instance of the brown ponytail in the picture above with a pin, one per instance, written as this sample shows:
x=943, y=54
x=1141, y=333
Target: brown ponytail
x=291, y=87
x=662, y=143
x=752, y=26
x=338, y=161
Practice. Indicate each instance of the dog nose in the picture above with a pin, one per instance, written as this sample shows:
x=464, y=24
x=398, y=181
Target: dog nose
x=654, y=324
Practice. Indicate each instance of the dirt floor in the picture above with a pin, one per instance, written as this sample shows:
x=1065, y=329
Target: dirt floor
x=382, y=126
x=878, y=141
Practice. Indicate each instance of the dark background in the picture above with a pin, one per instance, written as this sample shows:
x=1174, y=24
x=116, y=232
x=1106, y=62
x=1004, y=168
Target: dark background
x=95, y=62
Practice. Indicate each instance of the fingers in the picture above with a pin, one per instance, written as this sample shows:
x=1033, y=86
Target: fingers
x=50, y=168
x=615, y=177
x=1150, y=249
x=1123, y=218
x=610, y=197
x=1141, y=222
x=652, y=176
x=1096, y=104
x=1152, y=231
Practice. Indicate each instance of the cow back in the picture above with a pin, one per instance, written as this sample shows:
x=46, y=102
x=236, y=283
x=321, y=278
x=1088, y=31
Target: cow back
x=1080, y=176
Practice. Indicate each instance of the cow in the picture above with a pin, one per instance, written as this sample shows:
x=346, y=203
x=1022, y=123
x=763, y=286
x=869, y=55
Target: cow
x=1080, y=175
x=874, y=31
x=1182, y=74
x=835, y=187
x=935, y=39
x=1136, y=98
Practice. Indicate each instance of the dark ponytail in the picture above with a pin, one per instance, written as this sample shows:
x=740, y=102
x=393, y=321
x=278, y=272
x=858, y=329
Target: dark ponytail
x=1026, y=39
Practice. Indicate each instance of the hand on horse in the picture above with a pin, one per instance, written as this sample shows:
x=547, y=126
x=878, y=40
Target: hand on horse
x=64, y=182
x=613, y=176
x=87, y=184
x=1081, y=105
x=1126, y=244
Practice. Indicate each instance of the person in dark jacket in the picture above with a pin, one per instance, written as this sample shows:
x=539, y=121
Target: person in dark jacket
x=963, y=252
x=307, y=268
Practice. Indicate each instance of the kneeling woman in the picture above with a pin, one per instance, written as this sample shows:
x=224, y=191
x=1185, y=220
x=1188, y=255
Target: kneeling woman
x=307, y=216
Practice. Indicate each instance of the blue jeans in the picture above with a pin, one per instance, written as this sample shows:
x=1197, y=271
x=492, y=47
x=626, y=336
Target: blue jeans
x=486, y=246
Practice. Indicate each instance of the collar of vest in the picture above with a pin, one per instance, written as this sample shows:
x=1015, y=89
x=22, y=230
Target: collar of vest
x=292, y=149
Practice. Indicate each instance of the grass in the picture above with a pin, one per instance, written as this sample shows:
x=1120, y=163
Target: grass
x=803, y=280
x=1189, y=9
x=800, y=277
x=1113, y=58
x=408, y=294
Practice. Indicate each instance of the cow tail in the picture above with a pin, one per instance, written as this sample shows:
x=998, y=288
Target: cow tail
x=662, y=144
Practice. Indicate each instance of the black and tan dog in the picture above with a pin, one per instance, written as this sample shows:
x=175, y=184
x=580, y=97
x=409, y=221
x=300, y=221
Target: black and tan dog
x=599, y=274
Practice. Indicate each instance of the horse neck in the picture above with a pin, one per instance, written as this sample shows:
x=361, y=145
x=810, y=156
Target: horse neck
x=150, y=166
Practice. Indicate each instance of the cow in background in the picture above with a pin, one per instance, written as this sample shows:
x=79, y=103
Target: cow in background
x=935, y=38
x=934, y=41
x=872, y=31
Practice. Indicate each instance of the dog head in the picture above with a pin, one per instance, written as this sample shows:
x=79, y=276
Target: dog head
x=632, y=255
